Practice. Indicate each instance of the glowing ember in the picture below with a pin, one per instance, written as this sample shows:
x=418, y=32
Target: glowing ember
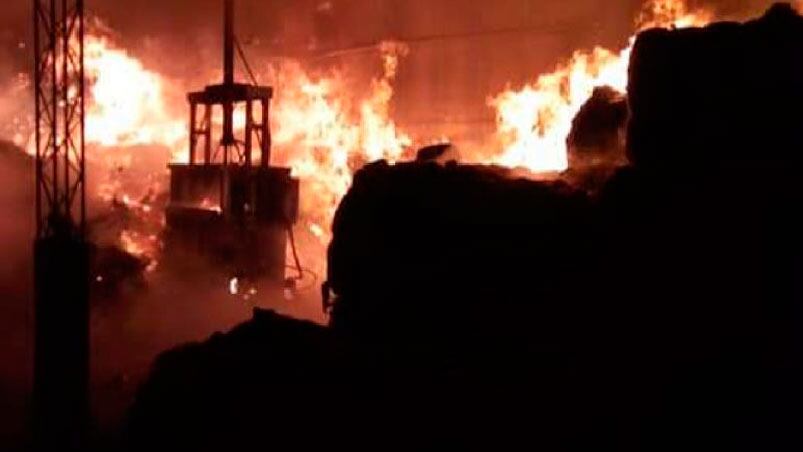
x=534, y=121
x=208, y=204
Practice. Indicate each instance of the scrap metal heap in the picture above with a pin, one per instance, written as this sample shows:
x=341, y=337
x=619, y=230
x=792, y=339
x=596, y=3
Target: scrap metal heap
x=228, y=203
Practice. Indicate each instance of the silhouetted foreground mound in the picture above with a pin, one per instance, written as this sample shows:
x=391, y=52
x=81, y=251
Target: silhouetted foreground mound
x=462, y=290
x=267, y=382
x=448, y=240
x=704, y=237
x=454, y=314
x=730, y=89
x=484, y=312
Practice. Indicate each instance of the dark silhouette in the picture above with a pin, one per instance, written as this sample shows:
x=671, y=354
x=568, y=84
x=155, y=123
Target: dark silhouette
x=599, y=120
x=443, y=153
x=479, y=311
x=596, y=141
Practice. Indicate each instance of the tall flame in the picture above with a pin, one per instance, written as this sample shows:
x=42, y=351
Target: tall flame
x=325, y=131
x=128, y=104
x=324, y=138
x=319, y=131
x=533, y=122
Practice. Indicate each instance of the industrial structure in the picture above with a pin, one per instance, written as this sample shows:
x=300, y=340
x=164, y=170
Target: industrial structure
x=227, y=202
x=61, y=363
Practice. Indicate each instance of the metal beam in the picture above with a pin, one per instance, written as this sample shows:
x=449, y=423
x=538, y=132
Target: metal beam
x=59, y=115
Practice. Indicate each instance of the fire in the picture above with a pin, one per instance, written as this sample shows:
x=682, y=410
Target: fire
x=324, y=138
x=127, y=103
x=17, y=119
x=534, y=121
x=323, y=129
x=319, y=131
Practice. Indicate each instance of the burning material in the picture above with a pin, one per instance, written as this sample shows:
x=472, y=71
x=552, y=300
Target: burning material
x=325, y=138
x=533, y=122
x=322, y=133
x=18, y=122
x=128, y=103
x=322, y=128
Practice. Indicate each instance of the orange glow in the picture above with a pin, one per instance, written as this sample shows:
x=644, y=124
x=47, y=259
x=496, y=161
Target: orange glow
x=533, y=122
x=325, y=138
x=127, y=103
x=319, y=129
x=325, y=131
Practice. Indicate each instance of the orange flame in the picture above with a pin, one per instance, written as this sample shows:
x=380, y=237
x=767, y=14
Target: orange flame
x=534, y=121
x=128, y=105
x=325, y=139
x=319, y=132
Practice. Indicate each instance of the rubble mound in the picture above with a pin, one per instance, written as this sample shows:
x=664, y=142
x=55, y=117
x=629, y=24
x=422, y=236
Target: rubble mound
x=270, y=374
x=443, y=240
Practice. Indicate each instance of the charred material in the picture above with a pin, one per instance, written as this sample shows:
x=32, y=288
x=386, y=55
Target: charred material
x=441, y=153
x=596, y=142
x=598, y=123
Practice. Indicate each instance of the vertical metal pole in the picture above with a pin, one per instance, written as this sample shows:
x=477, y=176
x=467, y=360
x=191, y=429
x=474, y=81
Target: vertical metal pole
x=267, y=140
x=208, y=131
x=249, y=131
x=228, y=45
x=193, y=131
x=228, y=77
x=81, y=93
x=54, y=127
x=61, y=255
x=38, y=112
x=65, y=104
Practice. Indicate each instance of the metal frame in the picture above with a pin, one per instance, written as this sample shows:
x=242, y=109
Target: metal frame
x=231, y=151
x=60, y=111
x=235, y=152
